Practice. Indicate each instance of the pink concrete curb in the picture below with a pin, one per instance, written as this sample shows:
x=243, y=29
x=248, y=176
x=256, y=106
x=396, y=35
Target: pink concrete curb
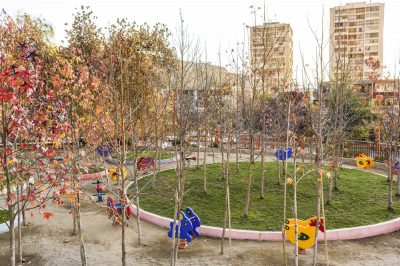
x=349, y=233
x=93, y=176
x=335, y=234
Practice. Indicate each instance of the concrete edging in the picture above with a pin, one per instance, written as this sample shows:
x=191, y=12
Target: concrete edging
x=131, y=162
x=349, y=233
x=93, y=176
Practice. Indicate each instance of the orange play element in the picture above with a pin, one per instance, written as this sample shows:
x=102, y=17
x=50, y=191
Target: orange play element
x=364, y=162
x=182, y=244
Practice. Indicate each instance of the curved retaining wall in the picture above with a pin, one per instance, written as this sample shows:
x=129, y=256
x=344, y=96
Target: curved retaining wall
x=93, y=176
x=335, y=234
x=349, y=233
x=162, y=161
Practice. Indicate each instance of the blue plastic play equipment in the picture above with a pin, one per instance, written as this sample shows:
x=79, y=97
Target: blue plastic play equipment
x=185, y=228
x=104, y=150
x=191, y=215
x=283, y=155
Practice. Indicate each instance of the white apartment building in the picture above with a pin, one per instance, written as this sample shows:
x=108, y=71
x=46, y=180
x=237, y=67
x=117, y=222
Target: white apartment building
x=356, y=35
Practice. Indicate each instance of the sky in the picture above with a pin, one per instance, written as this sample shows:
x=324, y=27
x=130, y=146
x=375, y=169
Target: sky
x=219, y=25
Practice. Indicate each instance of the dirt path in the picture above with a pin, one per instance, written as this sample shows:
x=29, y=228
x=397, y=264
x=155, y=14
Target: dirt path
x=50, y=243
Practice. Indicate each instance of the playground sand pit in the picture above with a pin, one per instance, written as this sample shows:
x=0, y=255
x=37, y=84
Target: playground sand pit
x=51, y=243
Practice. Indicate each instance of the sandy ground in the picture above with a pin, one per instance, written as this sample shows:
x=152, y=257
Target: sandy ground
x=51, y=243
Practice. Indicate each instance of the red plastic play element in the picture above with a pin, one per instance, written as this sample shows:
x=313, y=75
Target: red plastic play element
x=114, y=211
x=145, y=162
x=321, y=224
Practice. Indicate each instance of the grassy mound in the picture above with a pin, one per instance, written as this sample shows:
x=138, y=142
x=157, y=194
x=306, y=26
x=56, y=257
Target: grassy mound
x=360, y=200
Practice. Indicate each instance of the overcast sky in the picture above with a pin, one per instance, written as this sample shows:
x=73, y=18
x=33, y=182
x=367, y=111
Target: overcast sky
x=218, y=23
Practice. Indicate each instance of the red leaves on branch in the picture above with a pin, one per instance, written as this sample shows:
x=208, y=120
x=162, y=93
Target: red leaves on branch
x=8, y=151
x=6, y=95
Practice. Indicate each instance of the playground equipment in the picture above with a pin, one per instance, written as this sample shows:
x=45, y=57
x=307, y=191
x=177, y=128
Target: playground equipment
x=114, y=210
x=188, y=159
x=99, y=189
x=114, y=173
x=364, y=162
x=283, y=155
x=187, y=227
x=144, y=163
x=191, y=215
x=104, y=150
x=305, y=232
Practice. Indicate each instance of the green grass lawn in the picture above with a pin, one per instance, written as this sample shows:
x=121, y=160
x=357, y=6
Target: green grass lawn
x=4, y=216
x=152, y=154
x=361, y=199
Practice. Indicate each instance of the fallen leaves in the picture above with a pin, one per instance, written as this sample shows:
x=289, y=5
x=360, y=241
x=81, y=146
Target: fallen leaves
x=47, y=215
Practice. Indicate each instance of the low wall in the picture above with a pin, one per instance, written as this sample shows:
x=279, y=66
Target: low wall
x=128, y=162
x=93, y=176
x=350, y=233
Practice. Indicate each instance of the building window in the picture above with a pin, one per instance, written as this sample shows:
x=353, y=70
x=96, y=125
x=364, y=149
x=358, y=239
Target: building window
x=373, y=35
x=372, y=8
x=372, y=22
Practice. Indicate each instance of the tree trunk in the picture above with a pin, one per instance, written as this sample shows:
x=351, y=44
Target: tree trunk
x=12, y=237
x=390, y=195
x=8, y=184
x=222, y=155
x=324, y=220
x=329, y=196
x=73, y=219
x=24, y=223
x=138, y=224
x=205, y=162
x=285, y=181
x=174, y=240
x=19, y=191
x=198, y=148
x=81, y=240
x=315, y=249
x=249, y=181
x=398, y=184
x=212, y=144
x=278, y=166
x=262, y=172
x=237, y=153
x=248, y=194
x=225, y=214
